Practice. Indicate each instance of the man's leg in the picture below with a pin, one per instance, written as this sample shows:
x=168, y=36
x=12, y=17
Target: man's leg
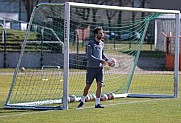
x=98, y=95
x=98, y=92
x=99, y=79
x=86, y=90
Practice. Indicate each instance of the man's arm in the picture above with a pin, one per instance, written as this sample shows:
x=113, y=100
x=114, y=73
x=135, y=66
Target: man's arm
x=104, y=56
x=89, y=54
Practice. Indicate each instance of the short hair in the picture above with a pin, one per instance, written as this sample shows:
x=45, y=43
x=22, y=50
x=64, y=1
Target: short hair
x=97, y=29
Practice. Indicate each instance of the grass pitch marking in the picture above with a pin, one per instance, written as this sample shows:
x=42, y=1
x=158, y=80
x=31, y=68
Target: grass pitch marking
x=122, y=103
x=25, y=113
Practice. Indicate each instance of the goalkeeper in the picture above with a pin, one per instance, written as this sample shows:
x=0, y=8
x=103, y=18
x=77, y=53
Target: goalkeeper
x=96, y=59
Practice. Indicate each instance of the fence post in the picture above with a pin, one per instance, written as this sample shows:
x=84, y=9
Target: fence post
x=4, y=45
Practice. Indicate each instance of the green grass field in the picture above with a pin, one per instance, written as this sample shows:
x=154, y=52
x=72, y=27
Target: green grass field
x=123, y=110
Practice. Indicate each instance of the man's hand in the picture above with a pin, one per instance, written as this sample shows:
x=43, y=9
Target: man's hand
x=103, y=62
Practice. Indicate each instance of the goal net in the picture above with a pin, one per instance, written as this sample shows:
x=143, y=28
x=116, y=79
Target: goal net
x=55, y=63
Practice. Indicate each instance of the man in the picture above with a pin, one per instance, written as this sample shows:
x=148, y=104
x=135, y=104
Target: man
x=95, y=62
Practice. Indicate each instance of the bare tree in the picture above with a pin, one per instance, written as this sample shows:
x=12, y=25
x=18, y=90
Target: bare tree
x=120, y=13
x=94, y=11
x=29, y=5
x=110, y=14
x=83, y=13
x=122, y=3
x=142, y=6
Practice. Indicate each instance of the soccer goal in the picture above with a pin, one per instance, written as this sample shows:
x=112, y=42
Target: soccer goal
x=55, y=62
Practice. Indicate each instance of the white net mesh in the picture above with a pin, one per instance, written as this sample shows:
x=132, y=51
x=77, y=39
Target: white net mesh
x=140, y=68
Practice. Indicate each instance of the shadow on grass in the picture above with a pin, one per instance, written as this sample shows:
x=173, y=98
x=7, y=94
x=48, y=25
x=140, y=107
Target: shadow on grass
x=3, y=110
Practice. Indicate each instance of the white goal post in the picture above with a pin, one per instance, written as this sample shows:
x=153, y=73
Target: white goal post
x=129, y=77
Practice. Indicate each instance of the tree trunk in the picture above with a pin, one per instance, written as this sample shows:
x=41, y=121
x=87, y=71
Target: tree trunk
x=29, y=4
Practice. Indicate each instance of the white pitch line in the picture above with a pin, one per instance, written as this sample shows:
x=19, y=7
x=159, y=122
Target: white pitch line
x=20, y=114
x=121, y=103
x=27, y=113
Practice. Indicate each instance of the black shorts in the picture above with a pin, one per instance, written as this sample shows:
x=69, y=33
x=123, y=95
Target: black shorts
x=94, y=73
